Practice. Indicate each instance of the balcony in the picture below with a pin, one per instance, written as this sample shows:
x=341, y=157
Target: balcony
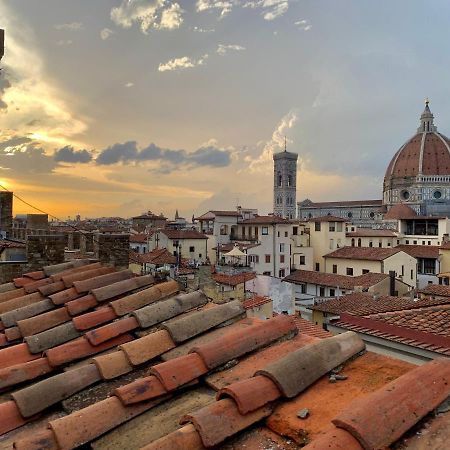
x=243, y=237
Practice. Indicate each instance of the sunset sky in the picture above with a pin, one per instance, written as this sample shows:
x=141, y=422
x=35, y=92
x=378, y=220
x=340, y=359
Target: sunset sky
x=115, y=107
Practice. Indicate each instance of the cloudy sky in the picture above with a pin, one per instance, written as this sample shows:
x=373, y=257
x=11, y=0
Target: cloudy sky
x=115, y=107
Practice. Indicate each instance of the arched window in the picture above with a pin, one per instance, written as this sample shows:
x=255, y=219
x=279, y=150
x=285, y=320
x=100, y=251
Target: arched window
x=359, y=242
x=353, y=242
x=289, y=183
x=280, y=180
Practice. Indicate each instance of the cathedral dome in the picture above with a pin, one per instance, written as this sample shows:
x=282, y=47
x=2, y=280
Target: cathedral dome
x=426, y=153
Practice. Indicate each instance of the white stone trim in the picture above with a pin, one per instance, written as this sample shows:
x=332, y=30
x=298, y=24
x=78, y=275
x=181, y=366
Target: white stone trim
x=422, y=145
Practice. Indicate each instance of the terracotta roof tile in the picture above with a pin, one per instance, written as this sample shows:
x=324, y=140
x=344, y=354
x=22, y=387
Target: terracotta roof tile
x=138, y=238
x=10, y=417
x=335, y=439
x=222, y=419
x=309, y=328
x=107, y=332
x=85, y=425
x=255, y=301
x=43, y=439
x=420, y=251
x=62, y=297
x=39, y=396
x=265, y=220
x=171, y=307
x=296, y=371
x=233, y=280
x=179, y=371
x=185, y=438
x=330, y=279
x=94, y=318
x=436, y=289
x=183, y=234
x=140, y=390
x=370, y=232
x=69, y=280
x=81, y=304
x=19, y=302
x=36, y=275
x=22, y=282
x=147, y=347
x=37, y=343
x=13, y=334
x=122, y=287
x=363, y=304
x=34, y=287
x=142, y=298
x=80, y=348
x=43, y=322
x=51, y=288
x=16, y=354
x=9, y=295
x=73, y=270
x=113, y=364
x=56, y=268
x=363, y=253
x=400, y=211
x=236, y=344
x=158, y=256
x=249, y=364
x=183, y=328
x=251, y=394
x=397, y=410
x=102, y=280
x=19, y=373
x=155, y=423
x=10, y=318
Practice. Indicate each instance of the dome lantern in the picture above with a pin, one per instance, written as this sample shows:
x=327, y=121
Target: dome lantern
x=426, y=120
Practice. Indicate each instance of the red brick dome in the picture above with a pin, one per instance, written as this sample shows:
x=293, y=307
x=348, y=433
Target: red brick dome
x=426, y=153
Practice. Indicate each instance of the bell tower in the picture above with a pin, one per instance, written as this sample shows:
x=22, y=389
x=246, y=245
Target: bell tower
x=285, y=183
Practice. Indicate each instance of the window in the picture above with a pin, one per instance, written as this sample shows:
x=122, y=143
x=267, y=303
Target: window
x=423, y=242
x=281, y=273
x=302, y=260
x=281, y=248
x=267, y=259
x=403, y=271
x=364, y=271
x=265, y=230
x=280, y=180
x=380, y=244
x=331, y=244
x=322, y=291
x=398, y=242
x=350, y=271
x=303, y=288
x=334, y=268
x=285, y=234
x=253, y=258
x=353, y=242
x=359, y=242
x=281, y=259
x=289, y=183
x=332, y=226
x=415, y=242
x=191, y=249
x=199, y=255
x=429, y=242
x=332, y=292
x=317, y=226
x=317, y=267
x=406, y=242
x=412, y=274
x=278, y=234
x=267, y=273
x=338, y=226
x=294, y=231
x=224, y=230
x=370, y=244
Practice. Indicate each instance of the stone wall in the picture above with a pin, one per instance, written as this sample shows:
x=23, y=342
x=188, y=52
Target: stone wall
x=112, y=249
x=45, y=250
x=6, y=203
x=11, y=269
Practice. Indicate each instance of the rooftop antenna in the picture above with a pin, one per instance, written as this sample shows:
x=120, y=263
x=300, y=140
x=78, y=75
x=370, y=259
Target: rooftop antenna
x=285, y=144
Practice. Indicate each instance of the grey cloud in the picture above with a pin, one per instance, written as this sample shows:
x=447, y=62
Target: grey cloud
x=70, y=155
x=128, y=152
x=4, y=85
x=13, y=142
x=27, y=161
